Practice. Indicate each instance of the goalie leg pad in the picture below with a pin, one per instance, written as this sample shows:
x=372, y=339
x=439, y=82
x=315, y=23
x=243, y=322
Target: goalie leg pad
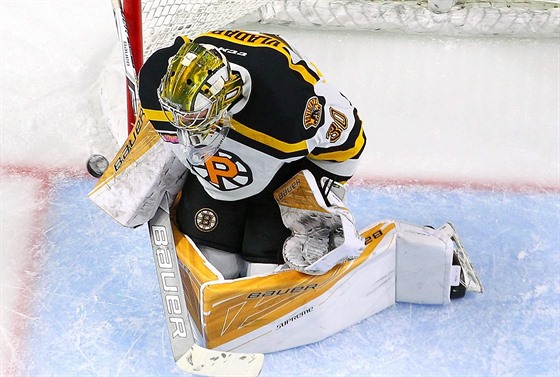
x=424, y=270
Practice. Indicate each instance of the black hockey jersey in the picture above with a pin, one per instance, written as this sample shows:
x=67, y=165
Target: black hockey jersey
x=287, y=112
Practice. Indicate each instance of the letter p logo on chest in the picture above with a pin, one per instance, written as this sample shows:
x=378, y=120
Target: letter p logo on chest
x=225, y=171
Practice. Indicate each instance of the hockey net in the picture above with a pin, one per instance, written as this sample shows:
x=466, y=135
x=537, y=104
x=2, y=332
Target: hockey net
x=163, y=20
x=153, y=24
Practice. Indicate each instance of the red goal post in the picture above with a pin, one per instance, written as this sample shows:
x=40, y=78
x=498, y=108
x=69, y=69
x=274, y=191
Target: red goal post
x=155, y=23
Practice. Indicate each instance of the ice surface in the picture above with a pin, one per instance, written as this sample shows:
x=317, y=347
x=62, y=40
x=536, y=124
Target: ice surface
x=478, y=118
x=98, y=310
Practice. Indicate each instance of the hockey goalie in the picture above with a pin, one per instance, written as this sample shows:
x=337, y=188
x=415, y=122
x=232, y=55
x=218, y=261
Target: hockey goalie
x=254, y=147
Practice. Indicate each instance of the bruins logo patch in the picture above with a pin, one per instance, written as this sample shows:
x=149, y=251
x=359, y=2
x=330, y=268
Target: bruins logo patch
x=312, y=113
x=206, y=220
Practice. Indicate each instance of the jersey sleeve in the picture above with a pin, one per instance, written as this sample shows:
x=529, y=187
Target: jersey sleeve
x=338, y=138
x=336, y=147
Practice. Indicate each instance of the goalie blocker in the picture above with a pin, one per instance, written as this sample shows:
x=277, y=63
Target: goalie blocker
x=271, y=312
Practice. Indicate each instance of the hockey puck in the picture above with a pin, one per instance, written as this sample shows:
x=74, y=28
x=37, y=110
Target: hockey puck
x=96, y=165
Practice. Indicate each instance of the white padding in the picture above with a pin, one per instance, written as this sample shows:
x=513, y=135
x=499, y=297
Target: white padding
x=423, y=265
x=230, y=265
x=260, y=268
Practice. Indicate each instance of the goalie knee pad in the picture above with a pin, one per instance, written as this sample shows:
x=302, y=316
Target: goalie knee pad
x=230, y=265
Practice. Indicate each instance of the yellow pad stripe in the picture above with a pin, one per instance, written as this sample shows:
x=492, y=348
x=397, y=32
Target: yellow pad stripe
x=158, y=115
x=142, y=137
x=297, y=193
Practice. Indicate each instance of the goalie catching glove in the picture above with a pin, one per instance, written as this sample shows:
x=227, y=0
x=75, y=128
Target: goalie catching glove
x=323, y=234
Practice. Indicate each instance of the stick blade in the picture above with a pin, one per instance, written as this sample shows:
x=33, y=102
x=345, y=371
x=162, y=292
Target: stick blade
x=205, y=362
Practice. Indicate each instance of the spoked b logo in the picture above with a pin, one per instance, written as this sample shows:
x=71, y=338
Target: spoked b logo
x=226, y=171
x=206, y=220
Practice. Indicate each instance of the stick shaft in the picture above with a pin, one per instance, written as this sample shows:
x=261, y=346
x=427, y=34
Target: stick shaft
x=169, y=278
x=129, y=66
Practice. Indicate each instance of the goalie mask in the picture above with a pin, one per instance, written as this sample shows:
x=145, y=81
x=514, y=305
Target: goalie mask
x=195, y=94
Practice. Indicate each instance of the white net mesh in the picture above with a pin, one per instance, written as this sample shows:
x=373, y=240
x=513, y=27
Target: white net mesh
x=466, y=17
x=165, y=19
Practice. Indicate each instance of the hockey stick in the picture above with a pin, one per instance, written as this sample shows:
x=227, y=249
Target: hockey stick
x=97, y=164
x=187, y=354
x=129, y=67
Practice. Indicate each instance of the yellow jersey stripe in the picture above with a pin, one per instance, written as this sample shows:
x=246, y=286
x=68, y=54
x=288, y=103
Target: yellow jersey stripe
x=279, y=46
x=268, y=140
x=340, y=156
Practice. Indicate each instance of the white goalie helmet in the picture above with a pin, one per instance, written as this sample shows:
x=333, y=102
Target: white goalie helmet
x=195, y=94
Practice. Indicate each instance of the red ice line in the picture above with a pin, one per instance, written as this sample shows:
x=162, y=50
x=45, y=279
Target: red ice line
x=46, y=177
x=511, y=187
